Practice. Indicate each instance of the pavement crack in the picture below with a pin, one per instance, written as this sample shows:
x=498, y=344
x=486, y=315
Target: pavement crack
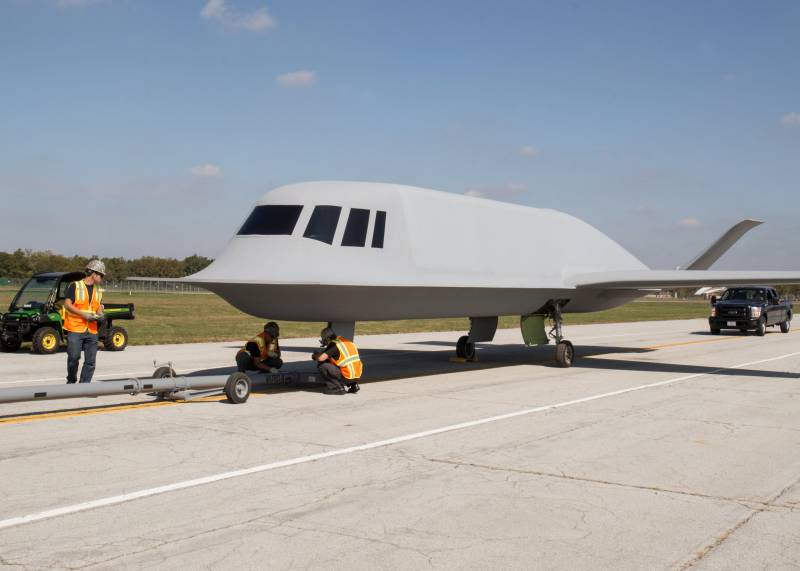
x=427, y=556
x=721, y=538
x=6, y=563
x=750, y=504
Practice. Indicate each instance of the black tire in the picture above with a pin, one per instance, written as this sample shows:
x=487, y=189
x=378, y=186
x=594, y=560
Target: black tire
x=237, y=388
x=715, y=331
x=116, y=339
x=10, y=346
x=761, y=328
x=565, y=354
x=46, y=341
x=465, y=349
x=786, y=326
x=163, y=373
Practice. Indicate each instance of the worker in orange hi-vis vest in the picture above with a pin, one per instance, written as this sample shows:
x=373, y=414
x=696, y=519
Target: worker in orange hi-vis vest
x=83, y=309
x=339, y=363
x=262, y=352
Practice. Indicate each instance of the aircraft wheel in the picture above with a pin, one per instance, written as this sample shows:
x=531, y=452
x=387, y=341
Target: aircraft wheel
x=465, y=349
x=237, y=388
x=761, y=328
x=565, y=354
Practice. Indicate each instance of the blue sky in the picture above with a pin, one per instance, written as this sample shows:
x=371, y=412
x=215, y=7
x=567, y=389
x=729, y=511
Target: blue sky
x=160, y=123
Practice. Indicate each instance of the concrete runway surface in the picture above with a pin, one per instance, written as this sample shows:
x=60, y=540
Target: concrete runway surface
x=662, y=448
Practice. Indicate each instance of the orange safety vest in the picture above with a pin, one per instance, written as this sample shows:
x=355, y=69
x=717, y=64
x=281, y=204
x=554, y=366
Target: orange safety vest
x=348, y=362
x=264, y=346
x=76, y=323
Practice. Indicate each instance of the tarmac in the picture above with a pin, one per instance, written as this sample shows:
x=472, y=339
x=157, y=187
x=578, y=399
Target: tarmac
x=663, y=447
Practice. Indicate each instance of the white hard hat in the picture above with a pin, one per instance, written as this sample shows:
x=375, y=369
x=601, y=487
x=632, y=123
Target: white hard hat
x=96, y=266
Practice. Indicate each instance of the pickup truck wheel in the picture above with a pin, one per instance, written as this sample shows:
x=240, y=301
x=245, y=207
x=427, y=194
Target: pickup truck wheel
x=11, y=345
x=761, y=328
x=715, y=331
x=46, y=341
x=785, y=326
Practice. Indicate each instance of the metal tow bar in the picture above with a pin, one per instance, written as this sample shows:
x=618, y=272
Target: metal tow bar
x=164, y=384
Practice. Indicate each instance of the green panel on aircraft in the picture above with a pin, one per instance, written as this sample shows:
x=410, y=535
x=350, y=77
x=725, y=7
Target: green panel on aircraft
x=533, y=332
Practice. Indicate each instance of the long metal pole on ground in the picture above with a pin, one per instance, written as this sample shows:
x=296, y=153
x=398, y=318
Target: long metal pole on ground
x=167, y=386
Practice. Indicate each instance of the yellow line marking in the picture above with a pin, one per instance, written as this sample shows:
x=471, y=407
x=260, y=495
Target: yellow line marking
x=33, y=417
x=696, y=342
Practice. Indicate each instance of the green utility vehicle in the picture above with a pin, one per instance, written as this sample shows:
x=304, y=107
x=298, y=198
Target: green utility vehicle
x=35, y=315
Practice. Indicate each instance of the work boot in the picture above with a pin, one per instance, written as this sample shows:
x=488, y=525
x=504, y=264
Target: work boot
x=353, y=388
x=334, y=392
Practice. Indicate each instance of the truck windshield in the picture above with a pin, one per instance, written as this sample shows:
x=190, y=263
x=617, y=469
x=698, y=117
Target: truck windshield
x=34, y=294
x=742, y=294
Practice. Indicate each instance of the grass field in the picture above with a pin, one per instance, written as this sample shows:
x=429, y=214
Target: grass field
x=192, y=318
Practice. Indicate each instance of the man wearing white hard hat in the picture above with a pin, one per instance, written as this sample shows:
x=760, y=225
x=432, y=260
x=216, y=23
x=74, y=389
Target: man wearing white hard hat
x=83, y=305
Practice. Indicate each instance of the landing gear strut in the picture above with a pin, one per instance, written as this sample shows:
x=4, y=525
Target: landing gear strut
x=565, y=352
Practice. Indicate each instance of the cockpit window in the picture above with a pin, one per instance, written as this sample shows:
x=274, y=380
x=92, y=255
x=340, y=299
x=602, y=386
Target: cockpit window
x=322, y=225
x=271, y=220
x=380, y=228
x=355, y=233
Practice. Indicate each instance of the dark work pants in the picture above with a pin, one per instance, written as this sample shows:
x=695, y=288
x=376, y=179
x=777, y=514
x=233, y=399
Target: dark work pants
x=77, y=343
x=331, y=374
x=244, y=362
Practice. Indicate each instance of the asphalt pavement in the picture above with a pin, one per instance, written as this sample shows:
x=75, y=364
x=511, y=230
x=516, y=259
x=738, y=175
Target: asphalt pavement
x=663, y=447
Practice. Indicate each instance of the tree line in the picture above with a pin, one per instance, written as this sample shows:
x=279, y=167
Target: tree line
x=24, y=263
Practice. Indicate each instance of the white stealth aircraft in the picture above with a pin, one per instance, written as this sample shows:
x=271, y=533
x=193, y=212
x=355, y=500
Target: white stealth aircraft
x=343, y=252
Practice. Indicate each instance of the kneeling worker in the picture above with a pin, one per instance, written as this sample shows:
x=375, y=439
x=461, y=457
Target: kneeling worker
x=339, y=364
x=262, y=352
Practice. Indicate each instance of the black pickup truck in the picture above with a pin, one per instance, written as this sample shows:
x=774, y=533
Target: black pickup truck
x=750, y=308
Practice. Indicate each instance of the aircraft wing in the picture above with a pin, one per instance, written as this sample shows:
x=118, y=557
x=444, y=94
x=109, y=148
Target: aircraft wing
x=668, y=279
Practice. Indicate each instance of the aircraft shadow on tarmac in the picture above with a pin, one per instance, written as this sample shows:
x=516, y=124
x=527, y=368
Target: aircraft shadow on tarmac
x=392, y=364
x=387, y=365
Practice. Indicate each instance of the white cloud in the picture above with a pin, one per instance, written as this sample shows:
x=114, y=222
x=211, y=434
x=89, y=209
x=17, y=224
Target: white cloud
x=516, y=187
x=528, y=151
x=206, y=170
x=475, y=194
x=792, y=119
x=299, y=78
x=256, y=20
x=689, y=223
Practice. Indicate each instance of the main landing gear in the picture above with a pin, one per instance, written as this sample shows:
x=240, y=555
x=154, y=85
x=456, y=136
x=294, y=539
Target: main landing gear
x=565, y=352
